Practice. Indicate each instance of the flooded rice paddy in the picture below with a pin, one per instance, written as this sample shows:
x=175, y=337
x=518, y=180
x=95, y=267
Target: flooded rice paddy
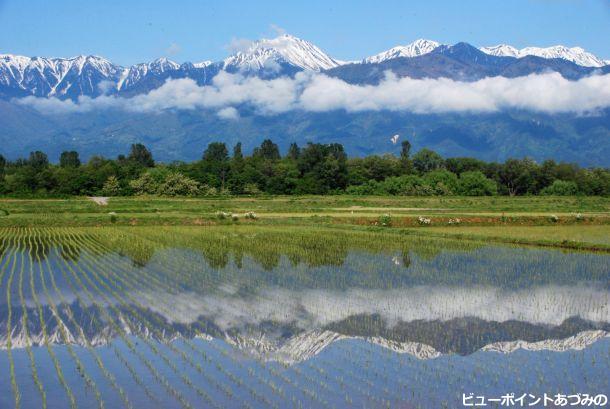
x=242, y=316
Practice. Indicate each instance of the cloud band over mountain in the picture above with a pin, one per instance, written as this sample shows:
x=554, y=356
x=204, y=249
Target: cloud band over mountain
x=315, y=92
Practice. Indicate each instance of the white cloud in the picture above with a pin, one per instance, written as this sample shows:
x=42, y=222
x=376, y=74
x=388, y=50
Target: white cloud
x=228, y=113
x=548, y=92
x=277, y=30
x=238, y=44
x=106, y=86
x=173, y=49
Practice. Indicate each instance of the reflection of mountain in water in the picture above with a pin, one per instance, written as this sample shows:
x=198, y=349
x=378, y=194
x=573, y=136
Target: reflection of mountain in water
x=286, y=296
x=289, y=343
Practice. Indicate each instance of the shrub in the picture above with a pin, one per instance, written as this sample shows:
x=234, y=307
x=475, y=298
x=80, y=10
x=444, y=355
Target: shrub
x=385, y=220
x=427, y=160
x=111, y=186
x=251, y=189
x=176, y=184
x=223, y=215
x=560, y=188
x=442, y=182
x=146, y=184
x=475, y=183
x=424, y=221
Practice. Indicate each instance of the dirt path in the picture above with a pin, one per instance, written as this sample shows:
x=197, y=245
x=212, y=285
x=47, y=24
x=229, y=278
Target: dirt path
x=102, y=201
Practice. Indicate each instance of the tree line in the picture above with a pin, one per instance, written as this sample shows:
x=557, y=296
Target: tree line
x=311, y=169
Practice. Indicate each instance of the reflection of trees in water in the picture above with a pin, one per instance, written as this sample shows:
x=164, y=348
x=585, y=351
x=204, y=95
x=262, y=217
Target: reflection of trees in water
x=70, y=252
x=406, y=259
x=37, y=247
x=319, y=258
x=460, y=335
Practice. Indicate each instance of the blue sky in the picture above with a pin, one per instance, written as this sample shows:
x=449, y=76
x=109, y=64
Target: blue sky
x=134, y=31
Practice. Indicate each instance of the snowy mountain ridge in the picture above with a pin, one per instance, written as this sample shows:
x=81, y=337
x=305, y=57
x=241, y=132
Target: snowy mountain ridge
x=283, y=49
x=93, y=75
x=577, y=55
x=414, y=49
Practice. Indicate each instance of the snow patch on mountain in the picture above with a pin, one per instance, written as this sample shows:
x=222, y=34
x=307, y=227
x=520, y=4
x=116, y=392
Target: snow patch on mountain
x=264, y=53
x=414, y=49
x=576, y=55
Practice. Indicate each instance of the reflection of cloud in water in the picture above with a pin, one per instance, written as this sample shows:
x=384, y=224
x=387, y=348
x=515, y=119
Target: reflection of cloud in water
x=316, y=308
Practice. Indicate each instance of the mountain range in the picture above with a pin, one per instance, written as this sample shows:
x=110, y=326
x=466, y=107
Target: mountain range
x=286, y=55
x=183, y=134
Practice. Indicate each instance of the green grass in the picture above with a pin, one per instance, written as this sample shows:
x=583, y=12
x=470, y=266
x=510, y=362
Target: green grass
x=521, y=220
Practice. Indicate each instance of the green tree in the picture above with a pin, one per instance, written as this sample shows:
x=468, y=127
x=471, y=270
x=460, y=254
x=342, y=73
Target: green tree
x=323, y=168
x=293, y=152
x=2, y=172
x=215, y=164
x=38, y=161
x=69, y=159
x=517, y=176
x=140, y=155
x=236, y=180
x=427, y=160
x=268, y=150
x=461, y=165
x=405, y=157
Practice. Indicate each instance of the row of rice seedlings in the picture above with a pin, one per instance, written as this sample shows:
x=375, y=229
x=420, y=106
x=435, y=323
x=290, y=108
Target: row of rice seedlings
x=199, y=368
x=146, y=281
x=45, y=336
x=126, y=301
x=366, y=373
x=306, y=392
x=37, y=238
x=26, y=331
x=154, y=372
x=325, y=386
x=166, y=359
x=232, y=377
x=136, y=377
x=277, y=373
x=9, y=328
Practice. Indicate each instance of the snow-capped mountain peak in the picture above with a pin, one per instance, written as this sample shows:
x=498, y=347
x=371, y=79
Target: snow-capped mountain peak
x=501, y=50
x=414, y=49
x=577, y=55
x=203, y=64
x=163, y=64
x=283, y=49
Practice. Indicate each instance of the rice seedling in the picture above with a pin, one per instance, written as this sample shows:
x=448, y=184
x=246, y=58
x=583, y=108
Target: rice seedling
x=97, y=325
x=155, y=373
x=236, y=381
x=9, y=328
x=56, y=362
x=38, y=239
x=123, y=282
x=26, y=331
x=142, y=286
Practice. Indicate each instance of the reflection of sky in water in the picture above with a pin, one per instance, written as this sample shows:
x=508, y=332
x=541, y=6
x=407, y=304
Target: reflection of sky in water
x=349, y=373
x=454, y=302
